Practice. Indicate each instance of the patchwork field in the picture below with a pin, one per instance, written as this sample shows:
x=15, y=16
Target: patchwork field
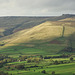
x=66, y=68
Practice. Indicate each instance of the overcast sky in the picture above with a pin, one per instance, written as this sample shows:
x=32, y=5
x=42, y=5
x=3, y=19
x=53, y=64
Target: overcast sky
x=36, y=7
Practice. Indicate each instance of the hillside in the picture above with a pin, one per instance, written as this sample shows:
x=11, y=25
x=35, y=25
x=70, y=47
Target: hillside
x=12, y=24
x=46, y=38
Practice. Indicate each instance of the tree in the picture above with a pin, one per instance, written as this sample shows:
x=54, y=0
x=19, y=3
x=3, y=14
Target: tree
x=56, y=62
x=37, y=60
x=43, y=71
x=22, y=58
x=3, y=73
x=53, y=72
x=71, y=59
x=41, y=56
x=20, y=67
x=61, y=62
x=29, y=60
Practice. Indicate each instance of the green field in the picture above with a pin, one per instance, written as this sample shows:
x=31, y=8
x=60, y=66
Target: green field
x=61, y=69
x=36, y=48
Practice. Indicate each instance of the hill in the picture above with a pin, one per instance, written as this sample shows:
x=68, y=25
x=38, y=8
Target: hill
x=50, y=37
x=12, y=24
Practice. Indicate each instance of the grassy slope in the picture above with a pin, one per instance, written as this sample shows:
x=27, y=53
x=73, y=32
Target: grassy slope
x=68, y=19
x=12, y=24
x=1, y=31
x=43, y=31
x=37, y=39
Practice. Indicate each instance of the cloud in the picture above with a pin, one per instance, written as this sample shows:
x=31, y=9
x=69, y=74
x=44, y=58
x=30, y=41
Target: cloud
x=36, y=7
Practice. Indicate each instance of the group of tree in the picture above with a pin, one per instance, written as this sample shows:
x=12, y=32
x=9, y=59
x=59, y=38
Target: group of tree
x=63, y=62
x=53, y=72
x=60, y=56
x=5, y=59
x=3, y=73
x=22, y=58
x=20, y=67
x=36, y=59
x=2, y=56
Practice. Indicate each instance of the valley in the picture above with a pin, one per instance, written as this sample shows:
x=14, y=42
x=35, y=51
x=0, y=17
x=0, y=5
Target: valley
x=37, y=45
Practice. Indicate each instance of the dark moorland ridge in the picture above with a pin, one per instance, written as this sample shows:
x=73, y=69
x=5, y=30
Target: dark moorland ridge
x=13, y=24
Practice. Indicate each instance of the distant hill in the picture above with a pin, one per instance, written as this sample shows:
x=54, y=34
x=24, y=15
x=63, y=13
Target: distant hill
x=12, y=24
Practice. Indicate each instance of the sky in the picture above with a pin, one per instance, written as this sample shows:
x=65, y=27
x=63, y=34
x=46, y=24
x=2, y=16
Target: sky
x=36, y=7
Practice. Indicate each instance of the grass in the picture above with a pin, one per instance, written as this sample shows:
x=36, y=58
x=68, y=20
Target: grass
x=68, y=19
x=36, y=47
x=27, y=73
x=17, y=62
x=62, y=69
x=37, y=40
x=43, y=31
